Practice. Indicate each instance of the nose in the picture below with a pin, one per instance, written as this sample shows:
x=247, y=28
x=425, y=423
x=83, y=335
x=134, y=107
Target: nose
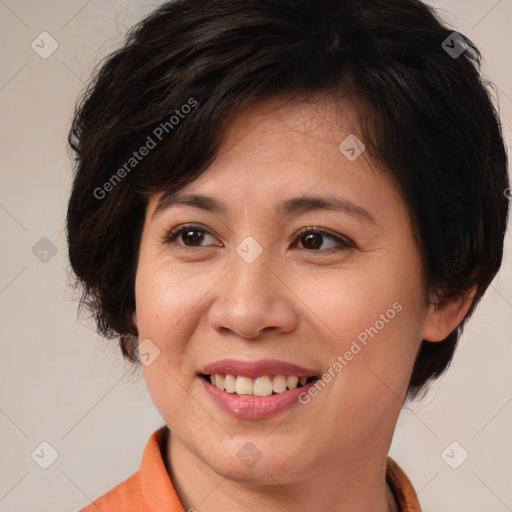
x=253, y=299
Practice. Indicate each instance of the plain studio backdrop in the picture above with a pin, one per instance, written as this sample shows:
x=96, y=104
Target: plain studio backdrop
x=65, y=387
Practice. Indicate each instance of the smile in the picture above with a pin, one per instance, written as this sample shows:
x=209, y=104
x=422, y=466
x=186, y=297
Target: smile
x=261, y=386
x=255, y=389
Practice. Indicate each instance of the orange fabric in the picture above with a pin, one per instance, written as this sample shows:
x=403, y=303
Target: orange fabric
x=150, y=489
x=404, y=492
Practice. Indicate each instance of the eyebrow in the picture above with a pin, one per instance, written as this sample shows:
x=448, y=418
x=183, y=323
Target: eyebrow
x=292, y=205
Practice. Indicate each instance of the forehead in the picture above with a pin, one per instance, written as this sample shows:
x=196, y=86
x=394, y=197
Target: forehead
x=279, y=149
x=318, y=118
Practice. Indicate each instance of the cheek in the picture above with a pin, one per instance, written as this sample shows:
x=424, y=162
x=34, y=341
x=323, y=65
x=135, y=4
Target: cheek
x=382, y=351
x=165, y=312
x=162, y=304
x=168, y=303
x=372, y=319
x=353, y=304
x=371, y=359
x=164, y=300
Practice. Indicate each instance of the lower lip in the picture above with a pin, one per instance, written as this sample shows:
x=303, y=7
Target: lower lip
x=254, y=407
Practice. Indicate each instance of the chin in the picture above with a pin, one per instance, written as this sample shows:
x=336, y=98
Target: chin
x=257, y=466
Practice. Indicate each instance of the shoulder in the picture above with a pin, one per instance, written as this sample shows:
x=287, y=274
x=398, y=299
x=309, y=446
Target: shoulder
x=150, y=488
x=124, y=497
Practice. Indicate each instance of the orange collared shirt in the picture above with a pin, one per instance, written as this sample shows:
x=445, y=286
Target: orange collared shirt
x=150, y=489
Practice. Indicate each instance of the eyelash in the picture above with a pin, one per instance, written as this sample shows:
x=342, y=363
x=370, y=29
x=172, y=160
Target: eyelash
x=344, y=244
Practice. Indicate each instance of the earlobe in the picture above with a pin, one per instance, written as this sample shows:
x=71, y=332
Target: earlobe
x=444, y=317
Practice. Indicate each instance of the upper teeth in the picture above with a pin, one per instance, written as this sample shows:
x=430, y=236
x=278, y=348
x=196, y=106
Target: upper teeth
x=260, y=386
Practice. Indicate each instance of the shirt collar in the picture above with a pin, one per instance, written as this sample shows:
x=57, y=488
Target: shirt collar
x=401, y=487
x=157, y=488
x=160, y=494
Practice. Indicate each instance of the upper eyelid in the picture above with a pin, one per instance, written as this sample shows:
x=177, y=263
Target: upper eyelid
x=182, y=227
x=175, y=232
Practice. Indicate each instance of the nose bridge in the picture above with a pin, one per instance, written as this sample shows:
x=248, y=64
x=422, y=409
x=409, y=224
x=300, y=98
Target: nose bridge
x=252, y=298
x=252, y=278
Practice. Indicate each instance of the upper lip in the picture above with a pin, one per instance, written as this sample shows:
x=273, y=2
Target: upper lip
x=255, y=368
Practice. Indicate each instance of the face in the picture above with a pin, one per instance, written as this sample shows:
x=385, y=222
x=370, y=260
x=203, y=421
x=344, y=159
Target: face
x=262, y=284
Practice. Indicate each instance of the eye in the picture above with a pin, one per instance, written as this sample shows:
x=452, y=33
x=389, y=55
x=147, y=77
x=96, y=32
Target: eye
x=188, y=233
x=312, y=238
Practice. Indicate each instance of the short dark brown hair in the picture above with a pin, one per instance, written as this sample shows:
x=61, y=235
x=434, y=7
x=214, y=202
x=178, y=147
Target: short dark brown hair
x=425, y=113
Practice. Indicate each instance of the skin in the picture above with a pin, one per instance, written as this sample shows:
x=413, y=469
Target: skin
x=202, y=302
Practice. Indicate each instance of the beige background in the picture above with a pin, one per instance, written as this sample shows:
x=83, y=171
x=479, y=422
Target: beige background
x=62, y=384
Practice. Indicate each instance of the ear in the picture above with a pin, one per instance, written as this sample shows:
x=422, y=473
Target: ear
x=445, y=316
x=134, y=319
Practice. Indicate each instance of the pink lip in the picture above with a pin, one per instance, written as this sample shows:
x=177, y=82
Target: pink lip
x=256, y=368
x=254, y=407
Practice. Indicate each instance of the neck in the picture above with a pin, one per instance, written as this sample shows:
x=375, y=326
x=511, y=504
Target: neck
x=354, y=481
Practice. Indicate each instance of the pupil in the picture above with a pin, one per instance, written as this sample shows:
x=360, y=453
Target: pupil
x=313, y=238
x=193, y=239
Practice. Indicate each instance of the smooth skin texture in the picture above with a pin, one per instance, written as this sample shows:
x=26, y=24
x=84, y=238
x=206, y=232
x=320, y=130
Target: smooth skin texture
x=303, y=300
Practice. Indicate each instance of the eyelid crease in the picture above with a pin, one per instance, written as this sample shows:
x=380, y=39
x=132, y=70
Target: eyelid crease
x=344, y=242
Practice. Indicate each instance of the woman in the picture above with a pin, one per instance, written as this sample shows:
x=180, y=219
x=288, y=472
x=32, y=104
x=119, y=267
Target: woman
x=286, y=210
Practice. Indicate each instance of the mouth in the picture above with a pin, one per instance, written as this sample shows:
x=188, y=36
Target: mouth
x=255, y=389
x=259, y=386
